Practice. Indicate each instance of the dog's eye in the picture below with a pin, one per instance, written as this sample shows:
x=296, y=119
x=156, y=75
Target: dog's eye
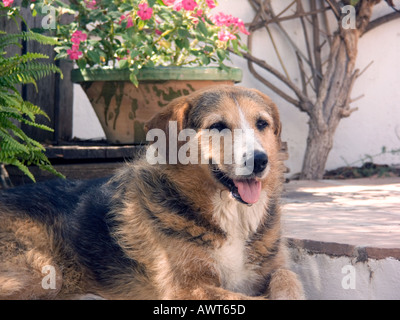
x=220, y=125
x=261, y=124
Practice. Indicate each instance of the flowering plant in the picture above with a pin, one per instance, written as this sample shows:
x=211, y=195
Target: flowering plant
x=143, y=33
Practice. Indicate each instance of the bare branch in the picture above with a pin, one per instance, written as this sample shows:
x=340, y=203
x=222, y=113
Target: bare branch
x=285, y=18
x=305, y=34
x=277, y=53
x=274, y=88
x=365, y=69
x=326, y=24
x=377, y=22
x=293, y=44
x=304, y=100
x=267, y=83
x=302, y=74
x=357, y=98
x=335, y=8
x=347, y=112
x=316, y=45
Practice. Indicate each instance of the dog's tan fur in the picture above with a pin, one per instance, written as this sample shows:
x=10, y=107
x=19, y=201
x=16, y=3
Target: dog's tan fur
x=221, y=249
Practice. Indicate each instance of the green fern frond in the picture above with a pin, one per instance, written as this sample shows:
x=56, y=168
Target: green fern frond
x=10, y=100
x=16, y=148
x=7, y=65
x=29, y=72
x=9, y=144
x=12, y=39
x=31, y=109
x=22, y=167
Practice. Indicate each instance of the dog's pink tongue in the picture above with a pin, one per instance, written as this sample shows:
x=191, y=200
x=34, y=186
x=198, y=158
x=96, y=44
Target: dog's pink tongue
x=249, y=190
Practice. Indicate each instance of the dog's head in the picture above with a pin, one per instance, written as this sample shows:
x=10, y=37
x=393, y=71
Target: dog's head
x=234, y=133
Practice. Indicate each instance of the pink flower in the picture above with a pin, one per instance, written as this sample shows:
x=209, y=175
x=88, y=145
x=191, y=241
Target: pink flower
x=189, y=5
x=242, y=28
x=178, y=5
x=225, y=35
x=220, y=19
x=74, y=54
x=8, y=3
x=211, y=4
x=198, y=13
x=121, y=18
x=169, y=2
x=145, y=12
x=75, y=40
x=129, y=22
x=159, y=32
x=227, y=20
x=91, y=4
x=78, y=36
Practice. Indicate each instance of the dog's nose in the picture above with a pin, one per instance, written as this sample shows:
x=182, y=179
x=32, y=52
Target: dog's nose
x=260, y=161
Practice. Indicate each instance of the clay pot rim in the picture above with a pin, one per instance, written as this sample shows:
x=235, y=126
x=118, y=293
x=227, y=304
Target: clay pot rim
x=157, y=74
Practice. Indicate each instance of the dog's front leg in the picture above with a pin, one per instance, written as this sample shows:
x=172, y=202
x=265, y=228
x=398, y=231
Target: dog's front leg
x=285, y=285
x=210, y=292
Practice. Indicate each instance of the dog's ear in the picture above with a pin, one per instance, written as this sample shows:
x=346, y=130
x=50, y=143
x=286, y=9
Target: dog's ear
x=177, y=110
x=173, y=117
x=273, y=111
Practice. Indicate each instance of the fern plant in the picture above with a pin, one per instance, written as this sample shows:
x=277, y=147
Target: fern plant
x=16, y=148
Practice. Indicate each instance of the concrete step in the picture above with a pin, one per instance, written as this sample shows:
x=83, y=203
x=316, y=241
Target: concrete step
x=344, y=237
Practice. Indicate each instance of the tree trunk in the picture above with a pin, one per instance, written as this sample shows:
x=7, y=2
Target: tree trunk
x=319, y=144
x=331, y=105
x=333, y=98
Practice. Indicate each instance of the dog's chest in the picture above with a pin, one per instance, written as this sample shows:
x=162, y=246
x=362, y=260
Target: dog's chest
x=231, y=259
x=235, y=272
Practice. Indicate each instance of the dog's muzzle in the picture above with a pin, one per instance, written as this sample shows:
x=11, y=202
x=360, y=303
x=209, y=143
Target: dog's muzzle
x=245, y=189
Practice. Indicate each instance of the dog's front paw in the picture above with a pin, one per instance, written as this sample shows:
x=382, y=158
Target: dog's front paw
x=285, y=285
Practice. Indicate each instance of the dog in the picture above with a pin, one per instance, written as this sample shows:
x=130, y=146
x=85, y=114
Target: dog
x=161, y=231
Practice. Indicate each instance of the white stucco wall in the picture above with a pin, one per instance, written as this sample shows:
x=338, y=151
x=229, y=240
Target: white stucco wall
x=343, y=278
x=375, y=125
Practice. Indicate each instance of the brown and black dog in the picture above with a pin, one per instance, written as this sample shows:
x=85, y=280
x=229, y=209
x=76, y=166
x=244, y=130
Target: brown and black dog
x=180, y=229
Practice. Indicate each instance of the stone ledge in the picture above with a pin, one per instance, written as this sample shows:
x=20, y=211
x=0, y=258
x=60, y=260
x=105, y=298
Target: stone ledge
x=335, y=249
x=98, y=152
x=358, y=218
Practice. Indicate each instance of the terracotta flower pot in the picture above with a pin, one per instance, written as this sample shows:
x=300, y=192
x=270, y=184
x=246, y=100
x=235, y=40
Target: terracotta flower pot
x=123, y=109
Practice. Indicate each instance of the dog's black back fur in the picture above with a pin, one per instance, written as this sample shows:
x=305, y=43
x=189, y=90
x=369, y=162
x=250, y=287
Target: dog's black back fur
x=77, y=213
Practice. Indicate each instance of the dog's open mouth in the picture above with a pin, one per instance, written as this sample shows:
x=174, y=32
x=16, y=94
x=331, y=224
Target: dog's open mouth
x=246, y=191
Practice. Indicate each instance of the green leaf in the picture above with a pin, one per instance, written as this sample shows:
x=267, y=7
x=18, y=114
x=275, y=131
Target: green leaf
x=183, y=33
x=123, y=64
x=221, y=54
x=134, y=79
x=81, y=63
x=203, y=29
x=23, y=168
x=94, y=56
x=204, y=59
x=141, y=24
x=183, y=43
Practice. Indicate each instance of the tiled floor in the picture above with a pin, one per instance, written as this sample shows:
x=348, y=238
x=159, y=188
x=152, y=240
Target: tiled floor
x=359, y=213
